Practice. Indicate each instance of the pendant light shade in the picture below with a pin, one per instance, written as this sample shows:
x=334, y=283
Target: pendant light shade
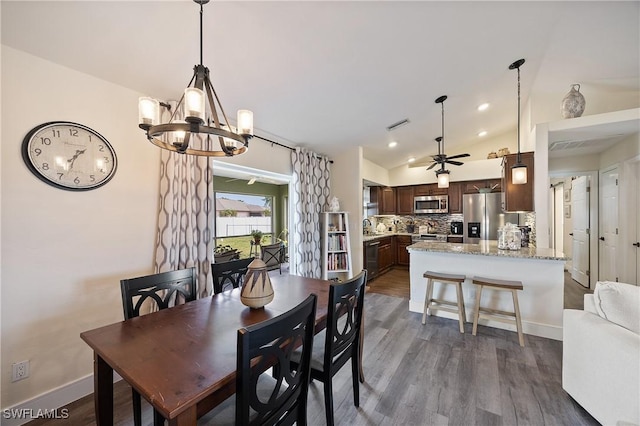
x=443, y=178
x=518, y=170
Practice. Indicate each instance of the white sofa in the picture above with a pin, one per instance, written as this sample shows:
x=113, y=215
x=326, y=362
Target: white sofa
x=601, y=354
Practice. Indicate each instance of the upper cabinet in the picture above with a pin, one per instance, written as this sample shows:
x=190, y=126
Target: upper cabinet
x=518, y=198
x=404, y=200
x=386, y=200
x=455, y=197
x=472, y=186
x=430, y=189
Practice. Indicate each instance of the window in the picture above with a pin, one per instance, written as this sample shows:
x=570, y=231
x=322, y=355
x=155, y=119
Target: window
x=237, y=215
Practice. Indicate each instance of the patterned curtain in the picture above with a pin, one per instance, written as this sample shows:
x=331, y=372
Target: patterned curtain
x=186, y=213
x=311, y=188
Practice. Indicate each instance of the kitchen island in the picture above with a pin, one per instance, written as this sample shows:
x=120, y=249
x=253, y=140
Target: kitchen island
x=541, y=272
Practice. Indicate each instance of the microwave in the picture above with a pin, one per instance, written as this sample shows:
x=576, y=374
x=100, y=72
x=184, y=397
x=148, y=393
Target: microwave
x=431, y=204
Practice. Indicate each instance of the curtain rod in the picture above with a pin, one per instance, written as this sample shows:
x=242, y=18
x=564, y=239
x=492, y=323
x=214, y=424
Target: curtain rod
x=279, y=144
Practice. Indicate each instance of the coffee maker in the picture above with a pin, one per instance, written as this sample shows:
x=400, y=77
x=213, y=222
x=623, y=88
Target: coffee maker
x=456, y=228
x=525, y=230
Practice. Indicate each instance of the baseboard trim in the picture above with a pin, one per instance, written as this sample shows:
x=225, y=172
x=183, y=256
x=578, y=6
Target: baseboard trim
x=50, y=401
x=536, y=329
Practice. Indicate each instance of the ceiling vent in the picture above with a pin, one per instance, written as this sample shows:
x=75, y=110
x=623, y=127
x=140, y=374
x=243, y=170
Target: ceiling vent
x=398, y=124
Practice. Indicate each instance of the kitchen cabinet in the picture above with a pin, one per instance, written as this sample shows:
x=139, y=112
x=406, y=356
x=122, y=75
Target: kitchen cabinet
x=429, y=189
x=404, y=200
x=385, y=255
x=386, y=200
x=402, y=242
x=457, y=240
x=455, y=197
x=517, y=198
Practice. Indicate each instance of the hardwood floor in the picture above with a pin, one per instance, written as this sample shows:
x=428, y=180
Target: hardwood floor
x=424, y=375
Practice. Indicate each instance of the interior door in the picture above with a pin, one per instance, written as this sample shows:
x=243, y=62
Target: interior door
x=579, y=212
x=608, y=239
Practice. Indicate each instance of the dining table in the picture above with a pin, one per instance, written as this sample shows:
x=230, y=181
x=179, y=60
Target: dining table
x=182, y=360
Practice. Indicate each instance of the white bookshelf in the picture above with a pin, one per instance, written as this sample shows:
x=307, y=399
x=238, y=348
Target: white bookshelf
x=336, y=246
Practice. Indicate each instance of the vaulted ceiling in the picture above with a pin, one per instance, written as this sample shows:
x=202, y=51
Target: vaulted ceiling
x=333, y=74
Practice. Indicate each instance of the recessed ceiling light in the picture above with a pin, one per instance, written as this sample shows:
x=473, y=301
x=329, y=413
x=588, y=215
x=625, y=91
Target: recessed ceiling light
x=482, y=133
x=393, y=144
x=411, y=160
x=483, y=107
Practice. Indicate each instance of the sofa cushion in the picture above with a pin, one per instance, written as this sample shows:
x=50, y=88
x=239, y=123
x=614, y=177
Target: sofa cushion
x=618, y=303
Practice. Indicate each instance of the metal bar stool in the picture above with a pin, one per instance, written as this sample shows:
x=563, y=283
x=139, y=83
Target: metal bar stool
x=431, y=304
x=495, y=314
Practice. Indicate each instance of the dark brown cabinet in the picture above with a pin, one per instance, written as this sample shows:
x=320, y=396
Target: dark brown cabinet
x=518, y=198
x=386, y=200
x=455, y=197
x=472, y=186
x=385, y=255
x=429, y=189
x=404, y=200
x=402, y=242
x=457, y=240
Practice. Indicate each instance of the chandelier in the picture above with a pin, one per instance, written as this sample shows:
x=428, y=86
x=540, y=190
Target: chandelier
x=198, y=123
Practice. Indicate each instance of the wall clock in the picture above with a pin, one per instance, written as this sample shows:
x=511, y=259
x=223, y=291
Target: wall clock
x=69, y=156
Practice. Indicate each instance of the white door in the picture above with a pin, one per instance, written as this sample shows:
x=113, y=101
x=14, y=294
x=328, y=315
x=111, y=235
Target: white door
x=635, y=227
x=579, y=213
x=608, y=238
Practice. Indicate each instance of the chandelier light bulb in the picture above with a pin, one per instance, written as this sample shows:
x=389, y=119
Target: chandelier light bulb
x=245, y=122
x=178, y=135
x=148, y=111
x=194, y=103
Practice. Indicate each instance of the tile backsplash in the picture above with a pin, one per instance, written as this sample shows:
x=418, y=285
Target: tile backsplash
x=441, y=223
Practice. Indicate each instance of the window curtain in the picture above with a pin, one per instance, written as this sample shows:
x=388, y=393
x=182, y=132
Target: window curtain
x=186, y=212
x=310, y=195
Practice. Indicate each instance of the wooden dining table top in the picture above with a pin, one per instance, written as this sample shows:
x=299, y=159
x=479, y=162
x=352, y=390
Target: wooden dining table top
x=177, y=358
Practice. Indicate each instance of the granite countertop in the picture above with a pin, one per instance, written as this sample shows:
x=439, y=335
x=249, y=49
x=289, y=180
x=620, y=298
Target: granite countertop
x=372, y=237
x=488, y=248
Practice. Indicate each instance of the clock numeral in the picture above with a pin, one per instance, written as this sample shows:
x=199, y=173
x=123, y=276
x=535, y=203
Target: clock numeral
x=45, y=166
x=38, y=151
x=106, y=160
x=56, y=133
x=60, y=176
x=45, y=141
x=76, y=181
x=101, y=148
x=92, y=177
x=73, y=132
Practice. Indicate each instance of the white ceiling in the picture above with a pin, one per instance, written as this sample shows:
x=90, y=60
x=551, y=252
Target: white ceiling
x=332, y=74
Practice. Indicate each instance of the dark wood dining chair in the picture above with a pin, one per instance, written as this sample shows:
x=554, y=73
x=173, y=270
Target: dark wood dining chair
x=164, y=289
x=227, y=275
x=270, y=390
x=340, y=341
x=273, y=256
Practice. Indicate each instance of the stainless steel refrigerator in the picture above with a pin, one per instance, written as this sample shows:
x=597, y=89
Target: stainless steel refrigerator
x=483, y=216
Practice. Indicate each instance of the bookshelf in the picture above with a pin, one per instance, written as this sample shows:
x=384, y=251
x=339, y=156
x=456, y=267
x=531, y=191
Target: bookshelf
x=336, y=246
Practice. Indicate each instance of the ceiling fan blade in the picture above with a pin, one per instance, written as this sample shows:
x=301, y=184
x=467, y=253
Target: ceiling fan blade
x=455, y=163
x=432, y=166
x=458, y=156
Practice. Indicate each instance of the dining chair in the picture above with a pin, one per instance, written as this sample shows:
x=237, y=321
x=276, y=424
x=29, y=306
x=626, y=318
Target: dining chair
x=270, y=390
x=340, y=341
x=273, y=256
x=229, y=274
x=163, y=290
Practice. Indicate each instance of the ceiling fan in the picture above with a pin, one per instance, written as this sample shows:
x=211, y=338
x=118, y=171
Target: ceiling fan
x=442, y=158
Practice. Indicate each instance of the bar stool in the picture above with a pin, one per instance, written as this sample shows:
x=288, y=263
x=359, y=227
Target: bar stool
x=431, y=304
x=495, y=314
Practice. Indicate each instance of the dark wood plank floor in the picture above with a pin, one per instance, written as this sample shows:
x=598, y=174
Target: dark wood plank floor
x=425, y=375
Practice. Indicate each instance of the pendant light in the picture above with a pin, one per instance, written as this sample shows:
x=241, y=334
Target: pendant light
x=518, y=170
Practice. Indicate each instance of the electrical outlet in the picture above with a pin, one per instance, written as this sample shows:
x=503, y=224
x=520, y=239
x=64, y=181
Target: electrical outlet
x=19, y=370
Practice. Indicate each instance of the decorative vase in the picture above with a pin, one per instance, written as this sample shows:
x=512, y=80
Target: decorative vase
x=573, y=103
x=256, y=287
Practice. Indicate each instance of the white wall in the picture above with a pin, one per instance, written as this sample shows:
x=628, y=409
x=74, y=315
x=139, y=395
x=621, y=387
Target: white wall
x=346, y=184
x=471, y=170
x=65, y=252
x=374, y=173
